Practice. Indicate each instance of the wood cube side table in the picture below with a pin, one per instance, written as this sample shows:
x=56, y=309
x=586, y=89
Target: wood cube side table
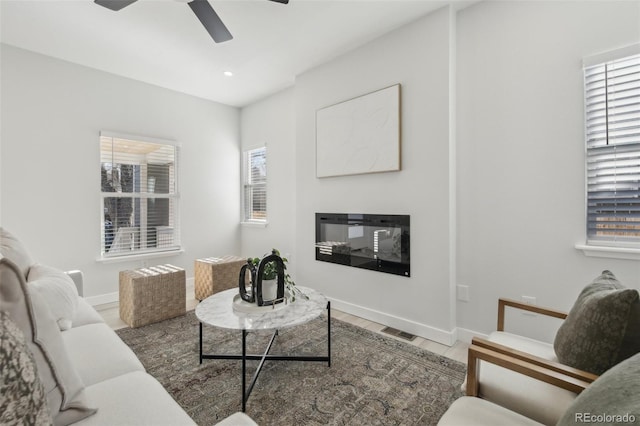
x=153, y=294
x=215, y=274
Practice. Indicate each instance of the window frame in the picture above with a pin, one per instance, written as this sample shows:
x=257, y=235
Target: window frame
x=613, y=246
x=140, y=202
x=246, y=184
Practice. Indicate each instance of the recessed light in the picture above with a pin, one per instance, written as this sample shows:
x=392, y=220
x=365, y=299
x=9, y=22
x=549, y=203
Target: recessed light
x=228, y=73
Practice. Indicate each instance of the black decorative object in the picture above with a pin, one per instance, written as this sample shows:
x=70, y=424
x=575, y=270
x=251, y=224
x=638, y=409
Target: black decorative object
x=368, y=241
x=256, y=277
x=242, y=283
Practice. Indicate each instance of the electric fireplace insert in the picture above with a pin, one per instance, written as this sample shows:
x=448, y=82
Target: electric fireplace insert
x=369, y=241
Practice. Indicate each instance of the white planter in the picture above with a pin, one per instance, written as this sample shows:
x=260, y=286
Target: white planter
x=269, y=289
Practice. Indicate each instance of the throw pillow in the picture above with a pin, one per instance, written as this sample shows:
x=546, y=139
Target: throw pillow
x=62, y=384
x=23, y=400
x=602, y=328
x=610, y=400
x=58, y=290
x=12, y=249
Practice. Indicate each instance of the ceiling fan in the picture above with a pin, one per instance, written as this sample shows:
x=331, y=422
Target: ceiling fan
x=203, y=10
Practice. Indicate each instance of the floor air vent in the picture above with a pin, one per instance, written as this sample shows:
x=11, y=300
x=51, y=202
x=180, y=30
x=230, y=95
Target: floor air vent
x=398, y=333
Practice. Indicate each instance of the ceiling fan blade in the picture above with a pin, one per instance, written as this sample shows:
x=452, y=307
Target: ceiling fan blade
x=281, y=1
x=114, y=4
x=211, y=21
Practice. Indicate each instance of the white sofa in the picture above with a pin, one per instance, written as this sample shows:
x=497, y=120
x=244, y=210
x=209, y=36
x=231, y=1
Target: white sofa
x=116, y=385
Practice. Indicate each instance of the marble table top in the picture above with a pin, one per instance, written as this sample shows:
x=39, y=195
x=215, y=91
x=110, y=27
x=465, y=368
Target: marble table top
x=217, y=310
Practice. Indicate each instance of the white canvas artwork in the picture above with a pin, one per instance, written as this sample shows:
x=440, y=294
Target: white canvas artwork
x=361, y=135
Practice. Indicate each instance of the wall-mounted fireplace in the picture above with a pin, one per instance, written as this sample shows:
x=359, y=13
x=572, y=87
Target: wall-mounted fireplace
x=369, y=241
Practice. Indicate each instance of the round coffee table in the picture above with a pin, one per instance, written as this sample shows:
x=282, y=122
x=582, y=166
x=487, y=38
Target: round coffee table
x=224, y=310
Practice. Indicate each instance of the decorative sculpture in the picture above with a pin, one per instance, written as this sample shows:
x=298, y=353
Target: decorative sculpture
x=268, y=265
x=242, y=283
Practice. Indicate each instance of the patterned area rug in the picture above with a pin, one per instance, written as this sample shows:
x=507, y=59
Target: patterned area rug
x=373, y=380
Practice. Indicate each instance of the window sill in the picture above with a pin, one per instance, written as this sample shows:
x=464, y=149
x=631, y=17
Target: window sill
x=255, y=224
x=610, y=252
x=128, y=258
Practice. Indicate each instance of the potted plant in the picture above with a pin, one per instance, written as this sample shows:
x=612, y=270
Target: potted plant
x=270, y=274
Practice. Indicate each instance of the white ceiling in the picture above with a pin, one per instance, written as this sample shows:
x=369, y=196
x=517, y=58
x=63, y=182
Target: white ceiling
x=162, y=42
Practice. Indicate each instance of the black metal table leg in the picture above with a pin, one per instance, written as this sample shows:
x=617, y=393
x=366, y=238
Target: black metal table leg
x=244, y=370
x=329, y=333
x=200, y=343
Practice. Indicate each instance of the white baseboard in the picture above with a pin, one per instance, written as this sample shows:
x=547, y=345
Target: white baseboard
x=103, y=299
x=432, y=333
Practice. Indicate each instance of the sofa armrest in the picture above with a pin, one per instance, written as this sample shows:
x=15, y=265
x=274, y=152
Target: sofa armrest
x=78, y=280
x=584, y=376
x=547, y=375
x=503, y=303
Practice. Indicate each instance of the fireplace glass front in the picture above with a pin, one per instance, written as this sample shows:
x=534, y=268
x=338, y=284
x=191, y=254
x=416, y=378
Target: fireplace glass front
x=369, y=241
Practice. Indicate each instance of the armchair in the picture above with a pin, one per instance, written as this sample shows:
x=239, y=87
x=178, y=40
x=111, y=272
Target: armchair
x=601, y=330
x=609, y=399
x=523, y=374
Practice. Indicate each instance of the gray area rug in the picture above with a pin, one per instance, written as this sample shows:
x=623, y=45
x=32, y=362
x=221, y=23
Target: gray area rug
x=373, y=379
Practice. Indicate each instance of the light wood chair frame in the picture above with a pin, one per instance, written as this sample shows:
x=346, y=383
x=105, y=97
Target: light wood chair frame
x=551, y=372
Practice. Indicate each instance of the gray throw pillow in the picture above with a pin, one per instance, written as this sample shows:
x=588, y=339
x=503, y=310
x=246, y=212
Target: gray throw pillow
x=603, y=327
x=23, y=400
x=611, y=400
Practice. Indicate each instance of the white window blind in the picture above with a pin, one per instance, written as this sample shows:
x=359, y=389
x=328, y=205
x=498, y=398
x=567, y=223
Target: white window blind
x=255, y=185
x=139, y=196
x=612, y=95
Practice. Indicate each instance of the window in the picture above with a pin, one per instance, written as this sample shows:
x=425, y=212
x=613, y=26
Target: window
x=612, y=108
x=254, y=172
x=139, y=196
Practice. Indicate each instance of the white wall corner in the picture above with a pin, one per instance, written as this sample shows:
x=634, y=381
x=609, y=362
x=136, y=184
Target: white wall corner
x=453, y=222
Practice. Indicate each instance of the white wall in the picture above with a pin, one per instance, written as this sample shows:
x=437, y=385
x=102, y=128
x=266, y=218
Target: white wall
x=52, y=112
x=417, y=57
x=521, y=151
x=519, y=176
x=272, y=121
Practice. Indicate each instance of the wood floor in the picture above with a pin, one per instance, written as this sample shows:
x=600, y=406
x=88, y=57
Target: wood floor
x=458, y=352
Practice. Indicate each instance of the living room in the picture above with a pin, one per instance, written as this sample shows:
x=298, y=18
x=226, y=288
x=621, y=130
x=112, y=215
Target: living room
x=493, y=164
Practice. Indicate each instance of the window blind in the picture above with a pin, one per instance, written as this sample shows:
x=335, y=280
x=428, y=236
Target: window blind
x=255, y=185
x=139, y=196
x=612, y=107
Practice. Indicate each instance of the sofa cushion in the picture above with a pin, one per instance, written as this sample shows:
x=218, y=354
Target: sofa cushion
x=611, y=400
x=62, y=385
x=469, y=410
x=524, y=344
x=86, y=314
x=134, y=399
x=602, y=328
x=98, y=353
x=527, y=396
x=12, y=249
x=23, y=399
x=58, y=290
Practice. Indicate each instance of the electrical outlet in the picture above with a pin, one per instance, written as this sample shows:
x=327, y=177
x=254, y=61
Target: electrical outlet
x=463, y=292
x=529, y=300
